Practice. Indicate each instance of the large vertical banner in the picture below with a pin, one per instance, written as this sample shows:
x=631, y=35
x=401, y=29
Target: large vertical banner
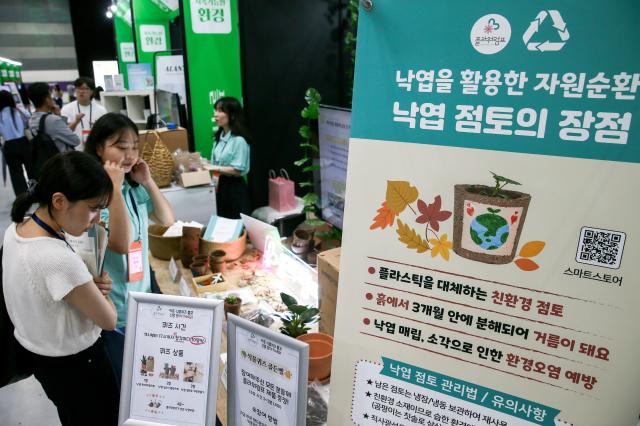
x=212, y=62
x=151, y=19
x=125, y=45
x=490, y=252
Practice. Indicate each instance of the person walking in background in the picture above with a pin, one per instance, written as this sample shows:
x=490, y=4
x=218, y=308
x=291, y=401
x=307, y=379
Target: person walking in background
x=230, y=158
x=84, y=111
x=57, y=308
x=16, y=148
x=54, y=125
x=114, y=138
x=57, y=96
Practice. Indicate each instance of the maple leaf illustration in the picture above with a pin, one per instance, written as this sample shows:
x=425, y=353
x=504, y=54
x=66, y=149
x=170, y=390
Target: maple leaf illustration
x=431, y=214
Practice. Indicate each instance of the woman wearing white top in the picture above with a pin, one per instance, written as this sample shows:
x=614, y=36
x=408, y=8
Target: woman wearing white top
x=57, y=307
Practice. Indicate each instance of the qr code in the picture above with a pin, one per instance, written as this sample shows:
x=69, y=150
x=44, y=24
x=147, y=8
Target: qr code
x=600, y=247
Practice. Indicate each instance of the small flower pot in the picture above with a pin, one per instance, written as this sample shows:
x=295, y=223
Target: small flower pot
x=301, y=243
x=218, y=261
x=189, y=244
x=198, y=269
x=204, y=258
x=232, y=308
x=320, y=354
x=487, y=229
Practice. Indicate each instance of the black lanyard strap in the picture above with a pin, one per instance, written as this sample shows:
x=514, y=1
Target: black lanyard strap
x=49, y=230
x=90, y=113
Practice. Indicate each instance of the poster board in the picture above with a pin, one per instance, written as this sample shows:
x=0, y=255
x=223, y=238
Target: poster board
x=334, y=126
x=512, y=310
x=266, y=376
x=171, y=356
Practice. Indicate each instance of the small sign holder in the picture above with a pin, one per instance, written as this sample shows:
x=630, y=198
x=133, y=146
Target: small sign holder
x=171, y=361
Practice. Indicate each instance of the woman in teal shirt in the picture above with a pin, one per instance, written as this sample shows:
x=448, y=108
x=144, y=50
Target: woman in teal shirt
x=230, y=158
x=114, y=138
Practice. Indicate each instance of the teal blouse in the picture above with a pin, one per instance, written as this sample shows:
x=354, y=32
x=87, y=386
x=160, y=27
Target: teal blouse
x=232, y=151
x=116, y=264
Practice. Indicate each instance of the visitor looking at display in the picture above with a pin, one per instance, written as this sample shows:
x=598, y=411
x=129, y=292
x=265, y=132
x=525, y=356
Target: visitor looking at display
x=230, y=159
x=16, y=148
x=57, y=307
x=54, y=125
x=114, y=138
x=82, y=113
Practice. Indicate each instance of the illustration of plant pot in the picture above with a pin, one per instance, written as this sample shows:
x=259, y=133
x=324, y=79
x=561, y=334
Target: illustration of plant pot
x=487, y=228
x=320, y=354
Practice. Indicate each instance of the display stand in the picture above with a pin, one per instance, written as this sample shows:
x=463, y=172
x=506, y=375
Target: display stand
x=133, y=102
x=277, y=218
x=195, y=203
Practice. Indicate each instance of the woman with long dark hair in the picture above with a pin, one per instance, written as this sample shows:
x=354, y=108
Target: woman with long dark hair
x=114, y=138
x=57, y=307
x=230, y=158
x=16, y=148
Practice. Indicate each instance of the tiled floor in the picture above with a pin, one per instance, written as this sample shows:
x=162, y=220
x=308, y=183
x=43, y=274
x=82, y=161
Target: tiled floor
x=23, y=403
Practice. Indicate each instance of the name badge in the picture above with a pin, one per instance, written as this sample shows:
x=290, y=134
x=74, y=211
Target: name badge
x=134, y=262
x=85, y=135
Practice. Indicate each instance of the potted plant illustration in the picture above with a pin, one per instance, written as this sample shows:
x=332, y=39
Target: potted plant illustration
x=232, y=305
x=488, y=220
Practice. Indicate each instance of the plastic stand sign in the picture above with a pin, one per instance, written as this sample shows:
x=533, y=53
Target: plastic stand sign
x=266, y=375
x=171, y=361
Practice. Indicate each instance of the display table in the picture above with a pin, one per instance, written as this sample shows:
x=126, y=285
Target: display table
x=275, y=217
x=245, y=274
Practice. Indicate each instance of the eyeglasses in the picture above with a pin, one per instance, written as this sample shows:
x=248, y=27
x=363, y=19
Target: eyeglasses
x=83, y=89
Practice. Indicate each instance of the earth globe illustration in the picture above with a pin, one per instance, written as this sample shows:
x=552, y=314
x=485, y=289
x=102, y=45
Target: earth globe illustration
x=489, y=231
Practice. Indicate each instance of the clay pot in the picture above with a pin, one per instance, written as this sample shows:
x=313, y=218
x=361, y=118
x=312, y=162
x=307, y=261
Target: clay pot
x=232, y=308
x=204, y=258
x=301, y=243
x=189, y=244
x=198, y=268
x=320, y=353
x=218, y=261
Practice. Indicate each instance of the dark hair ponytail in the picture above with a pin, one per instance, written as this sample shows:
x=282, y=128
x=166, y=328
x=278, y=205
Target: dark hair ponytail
x=75, y=174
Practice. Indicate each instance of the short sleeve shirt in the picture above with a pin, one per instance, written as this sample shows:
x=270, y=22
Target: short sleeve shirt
x=232, y=151
x=116, y=264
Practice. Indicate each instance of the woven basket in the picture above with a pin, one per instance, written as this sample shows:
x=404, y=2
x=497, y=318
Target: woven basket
x=158, y=157
x=163, y=247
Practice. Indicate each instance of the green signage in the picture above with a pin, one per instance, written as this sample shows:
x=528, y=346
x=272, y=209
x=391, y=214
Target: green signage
x=125, y=44
x=151, y=28
x=213, y=62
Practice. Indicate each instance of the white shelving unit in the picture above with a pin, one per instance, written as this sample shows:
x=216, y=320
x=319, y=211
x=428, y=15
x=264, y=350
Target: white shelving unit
x=132, y=101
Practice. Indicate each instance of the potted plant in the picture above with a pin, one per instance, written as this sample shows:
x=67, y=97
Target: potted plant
x=232, y=305
x=488, y=220
x=295, y=321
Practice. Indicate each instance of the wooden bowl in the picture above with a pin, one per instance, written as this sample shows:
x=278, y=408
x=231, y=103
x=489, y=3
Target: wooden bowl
x=234, y=249
x=163, y=248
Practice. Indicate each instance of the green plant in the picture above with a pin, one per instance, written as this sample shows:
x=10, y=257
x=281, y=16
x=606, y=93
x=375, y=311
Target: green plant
x=501, y=182
x=232, y=299
x=309, y=113
x=294, y=322
x=350, y=40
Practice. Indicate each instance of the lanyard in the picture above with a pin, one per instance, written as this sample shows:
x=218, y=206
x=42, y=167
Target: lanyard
x=90, y=113
x=135, y=209
x=224, y=147
x=50, y=230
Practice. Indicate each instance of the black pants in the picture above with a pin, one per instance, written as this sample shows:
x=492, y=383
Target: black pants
x=81, y=386
x=17, y=153
x=233, y=197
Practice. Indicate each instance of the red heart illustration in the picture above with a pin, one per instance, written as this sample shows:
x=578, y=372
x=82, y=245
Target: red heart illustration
x=470, y=211
x=514, y=218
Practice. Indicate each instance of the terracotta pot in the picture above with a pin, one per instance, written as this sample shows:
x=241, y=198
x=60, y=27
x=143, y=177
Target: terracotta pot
x=198, y=268
x=233, y=309
x=204, y=258
x=218, y=261
x=320, y=353
x=301, y=243
x=189, y=244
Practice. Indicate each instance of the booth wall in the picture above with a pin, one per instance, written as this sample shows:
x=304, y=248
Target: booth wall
x=287, y=46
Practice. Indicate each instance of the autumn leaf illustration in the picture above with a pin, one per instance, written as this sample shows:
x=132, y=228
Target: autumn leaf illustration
x=441, y=246
x=532, y=248
x=399, y=195
x=411, y=238
x=431, y=214
x=384, y=218
x=527, y=265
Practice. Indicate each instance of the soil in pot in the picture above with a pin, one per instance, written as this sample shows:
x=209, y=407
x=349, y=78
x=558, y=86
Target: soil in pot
x=487, y=228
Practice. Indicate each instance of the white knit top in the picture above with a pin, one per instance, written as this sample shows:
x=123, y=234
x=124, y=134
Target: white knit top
x=37, y=273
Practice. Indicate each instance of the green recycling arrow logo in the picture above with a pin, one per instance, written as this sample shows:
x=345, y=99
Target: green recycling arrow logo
x=546, y=46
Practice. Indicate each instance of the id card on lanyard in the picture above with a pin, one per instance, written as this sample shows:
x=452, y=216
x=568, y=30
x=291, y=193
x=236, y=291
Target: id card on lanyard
x=85, y=132
x=135, y=263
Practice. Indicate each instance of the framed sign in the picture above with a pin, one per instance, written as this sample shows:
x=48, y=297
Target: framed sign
x=170, y=372
x=266, y=375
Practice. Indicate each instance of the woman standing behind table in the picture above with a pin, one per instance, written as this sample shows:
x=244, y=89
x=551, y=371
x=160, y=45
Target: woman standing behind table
x=114, y=138
x=16, y=148
x=230, y=158
x=55, y=304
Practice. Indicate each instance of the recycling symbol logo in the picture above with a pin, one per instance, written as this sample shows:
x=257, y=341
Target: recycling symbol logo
x=547, y=45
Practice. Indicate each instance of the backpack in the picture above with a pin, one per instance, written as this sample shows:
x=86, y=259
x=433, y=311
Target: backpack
x=43, y=147
x=15, y=361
